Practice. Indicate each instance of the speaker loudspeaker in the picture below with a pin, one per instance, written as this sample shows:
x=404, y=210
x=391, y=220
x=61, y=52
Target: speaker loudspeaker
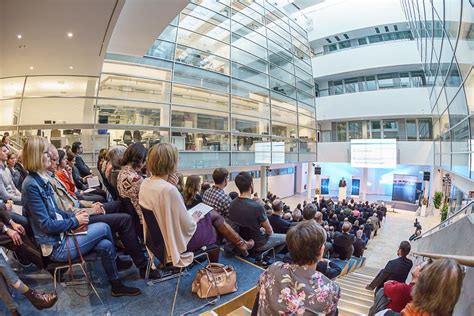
x=317, y=170
x=426, y=176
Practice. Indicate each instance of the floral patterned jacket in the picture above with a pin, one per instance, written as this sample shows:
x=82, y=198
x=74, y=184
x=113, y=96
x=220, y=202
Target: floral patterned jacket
x=128, y=186
x=289, y=289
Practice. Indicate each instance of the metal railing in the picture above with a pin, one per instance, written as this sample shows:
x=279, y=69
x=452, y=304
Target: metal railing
x=464, y=260
x=466, y=210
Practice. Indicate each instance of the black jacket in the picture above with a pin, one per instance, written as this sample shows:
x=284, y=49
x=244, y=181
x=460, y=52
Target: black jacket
x=84, y=170
x=396, y=270
x=342, y=244
x=359, y=247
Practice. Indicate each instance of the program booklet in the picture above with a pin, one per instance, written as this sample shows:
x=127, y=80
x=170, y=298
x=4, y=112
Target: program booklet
x=93, y=182
x=201, y=209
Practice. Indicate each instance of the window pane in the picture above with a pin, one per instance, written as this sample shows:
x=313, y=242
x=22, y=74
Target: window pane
x=341, y=131
x=351, y=85
x=132, y=113
x=282, y=75
x=284, y=130
x=11, y=87
x=193, y=96
x=209, y=29
x=355, y=130
x=375, y=129
x=307, y=121
x=257, y=106
x=10, y=111
x=249, y=74
x=203, y=43
x=371, y=84
x=307, y=134
x=390, y=129
x=385, y=81
x=57, y=111
x=203, y=60
x=189, y=141
x=425, y=129
x=161, y=49
x=250, y=125
x=198, y=118
x=284, y=115
x=411, y=129
x=404, y=80
x=154, y=69
x=250, y=60
x=61, y=86
x=362, y=41
x=201, y=78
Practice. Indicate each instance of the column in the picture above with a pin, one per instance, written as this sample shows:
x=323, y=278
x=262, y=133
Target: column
x=363, y=191
x=308, y=181
x=263, y=182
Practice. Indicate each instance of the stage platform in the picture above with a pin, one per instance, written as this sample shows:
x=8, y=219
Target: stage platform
x=154, y=300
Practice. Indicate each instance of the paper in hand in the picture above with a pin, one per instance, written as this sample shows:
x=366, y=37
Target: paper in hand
x=201, y=210
x=93, y=182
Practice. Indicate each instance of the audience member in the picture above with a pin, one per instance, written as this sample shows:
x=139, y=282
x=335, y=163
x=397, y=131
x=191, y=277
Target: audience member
x=14, y=174
x=50, y=224
x=279, y=225
x=396, y=269
x=359, y=245
x=8, y=277
x=309, y=211
x=102, y=160
x=114, y=164
x=182, y=233
x=77, y=149
x=215, y=196
x=192, y=198
x=343, y=245
x=375, y=221
x=204, y=187
x=19, y=167
x=286, y=288
x=437, y=289
x=233, y=195
x=251, y=221
x=8, y=190
x=109, y=213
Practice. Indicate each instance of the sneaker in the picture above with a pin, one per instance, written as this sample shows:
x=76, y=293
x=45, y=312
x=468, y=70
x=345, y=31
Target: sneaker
x=123, y=264
x=119, y=289
x=41, y=300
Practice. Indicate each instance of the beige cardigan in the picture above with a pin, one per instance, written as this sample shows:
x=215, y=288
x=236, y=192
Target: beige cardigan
x=176, y=225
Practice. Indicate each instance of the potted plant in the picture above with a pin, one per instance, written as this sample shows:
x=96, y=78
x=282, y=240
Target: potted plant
x=438, y=197
x=444, y=212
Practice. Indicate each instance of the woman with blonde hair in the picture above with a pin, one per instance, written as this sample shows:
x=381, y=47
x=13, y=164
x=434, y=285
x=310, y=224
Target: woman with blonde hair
x=437, y=289
x=51, y=225
x=193, y=198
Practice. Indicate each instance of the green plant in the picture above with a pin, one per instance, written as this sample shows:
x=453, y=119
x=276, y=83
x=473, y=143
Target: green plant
x=444, y=212
x=438, y=197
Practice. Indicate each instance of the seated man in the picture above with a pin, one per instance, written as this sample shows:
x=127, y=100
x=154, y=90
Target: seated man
x=359, y=245
x=108, y=213
x=343, y=242
x=251, y=222
x=309, y=211
x=279, y=225
x=396, y=269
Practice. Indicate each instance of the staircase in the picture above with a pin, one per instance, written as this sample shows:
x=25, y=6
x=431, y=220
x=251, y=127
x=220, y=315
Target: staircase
x=355, y=299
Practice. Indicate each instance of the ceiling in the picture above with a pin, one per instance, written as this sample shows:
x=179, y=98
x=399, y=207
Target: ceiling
x=97, y=26
x=45, y=47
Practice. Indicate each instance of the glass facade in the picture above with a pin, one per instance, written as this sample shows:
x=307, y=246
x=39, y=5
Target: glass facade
x=223, y=77
x=444, y=33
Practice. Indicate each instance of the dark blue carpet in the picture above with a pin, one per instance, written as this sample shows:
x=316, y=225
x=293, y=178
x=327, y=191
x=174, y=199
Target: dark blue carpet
x=154, y=300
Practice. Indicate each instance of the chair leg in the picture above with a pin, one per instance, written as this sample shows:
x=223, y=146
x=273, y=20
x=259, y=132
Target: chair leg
x=91, y=284
x=148, y=268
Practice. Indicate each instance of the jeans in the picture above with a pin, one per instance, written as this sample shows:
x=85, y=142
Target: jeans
x=122, y=224
x=7, y=276
x=98, y=238
x=276, y=241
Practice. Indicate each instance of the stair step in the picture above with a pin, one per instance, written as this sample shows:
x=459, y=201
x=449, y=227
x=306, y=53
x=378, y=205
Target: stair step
x=355, y=299
x=359, y=274
x=357, y=280
x=355, y=289
x=241, y=311
x=358, y=285
x=357, y=293
x=353, y=306
x=348, y=312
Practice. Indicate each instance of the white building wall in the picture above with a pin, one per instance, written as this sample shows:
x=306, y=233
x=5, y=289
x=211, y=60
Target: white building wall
x=371, y=104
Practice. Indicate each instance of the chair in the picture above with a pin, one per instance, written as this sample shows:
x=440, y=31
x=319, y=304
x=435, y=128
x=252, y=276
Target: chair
x=130, y=209
x=61, y=266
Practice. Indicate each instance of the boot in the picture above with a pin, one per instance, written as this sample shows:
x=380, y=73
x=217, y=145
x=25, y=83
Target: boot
x=41, y=300
x=119, y=289
x=231, y=235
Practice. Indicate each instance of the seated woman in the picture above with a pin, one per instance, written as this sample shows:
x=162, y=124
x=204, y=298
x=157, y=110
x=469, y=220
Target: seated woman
x=437, y=289
x=15, y=174
x=193, y=198
x=182, y=233
x=8, y=277
x=298, y=289
x=50, y=224
x=76, y=185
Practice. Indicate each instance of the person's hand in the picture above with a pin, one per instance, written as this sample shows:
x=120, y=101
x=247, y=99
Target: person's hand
x=263, y=230
x=13, y=234
x=82, y=218
x=197, y=216
x=81, y=192
x=17, y=227
x=98, y=208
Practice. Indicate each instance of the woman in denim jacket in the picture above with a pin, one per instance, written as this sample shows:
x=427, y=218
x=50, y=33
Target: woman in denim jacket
x=50, y=224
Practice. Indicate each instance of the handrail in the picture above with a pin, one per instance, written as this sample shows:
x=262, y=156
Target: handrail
x=449, y=220
x=464, y=260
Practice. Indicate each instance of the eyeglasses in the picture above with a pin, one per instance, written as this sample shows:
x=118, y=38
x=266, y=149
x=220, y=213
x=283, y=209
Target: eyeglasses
x=47, y=153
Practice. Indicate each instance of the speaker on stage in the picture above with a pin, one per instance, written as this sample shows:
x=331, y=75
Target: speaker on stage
x=317, y=170
x=426, y=176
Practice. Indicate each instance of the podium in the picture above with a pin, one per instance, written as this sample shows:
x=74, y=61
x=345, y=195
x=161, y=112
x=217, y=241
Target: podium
x=342, y=193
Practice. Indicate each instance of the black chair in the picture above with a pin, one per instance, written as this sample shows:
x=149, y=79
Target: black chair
x=110, y=188
x=128, y=208
x=155, y=245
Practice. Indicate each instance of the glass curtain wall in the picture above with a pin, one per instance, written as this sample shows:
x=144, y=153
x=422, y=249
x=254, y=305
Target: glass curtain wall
x=444, y=34
x=223, y=81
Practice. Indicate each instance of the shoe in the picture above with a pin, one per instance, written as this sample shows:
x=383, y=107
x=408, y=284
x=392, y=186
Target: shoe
x=153, y=275
x=119, y=289
x=123, y=264
x=41, y=300
x=367, y=287
x=15, y=312
x=231, y=235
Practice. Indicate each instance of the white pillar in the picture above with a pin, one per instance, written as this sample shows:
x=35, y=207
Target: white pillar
x=263, y=182
x=308, y=181
x=363, y=191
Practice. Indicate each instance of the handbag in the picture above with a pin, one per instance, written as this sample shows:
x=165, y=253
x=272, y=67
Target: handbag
x=214, y=280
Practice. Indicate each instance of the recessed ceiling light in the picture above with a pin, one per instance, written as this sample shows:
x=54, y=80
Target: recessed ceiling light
x=31, y=68
x=70, y=34
x=71, y=67
x=19, y=36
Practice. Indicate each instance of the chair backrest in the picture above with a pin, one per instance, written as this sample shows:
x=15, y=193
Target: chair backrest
x=113, y=191
x=154, y=238
x=127, y=205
